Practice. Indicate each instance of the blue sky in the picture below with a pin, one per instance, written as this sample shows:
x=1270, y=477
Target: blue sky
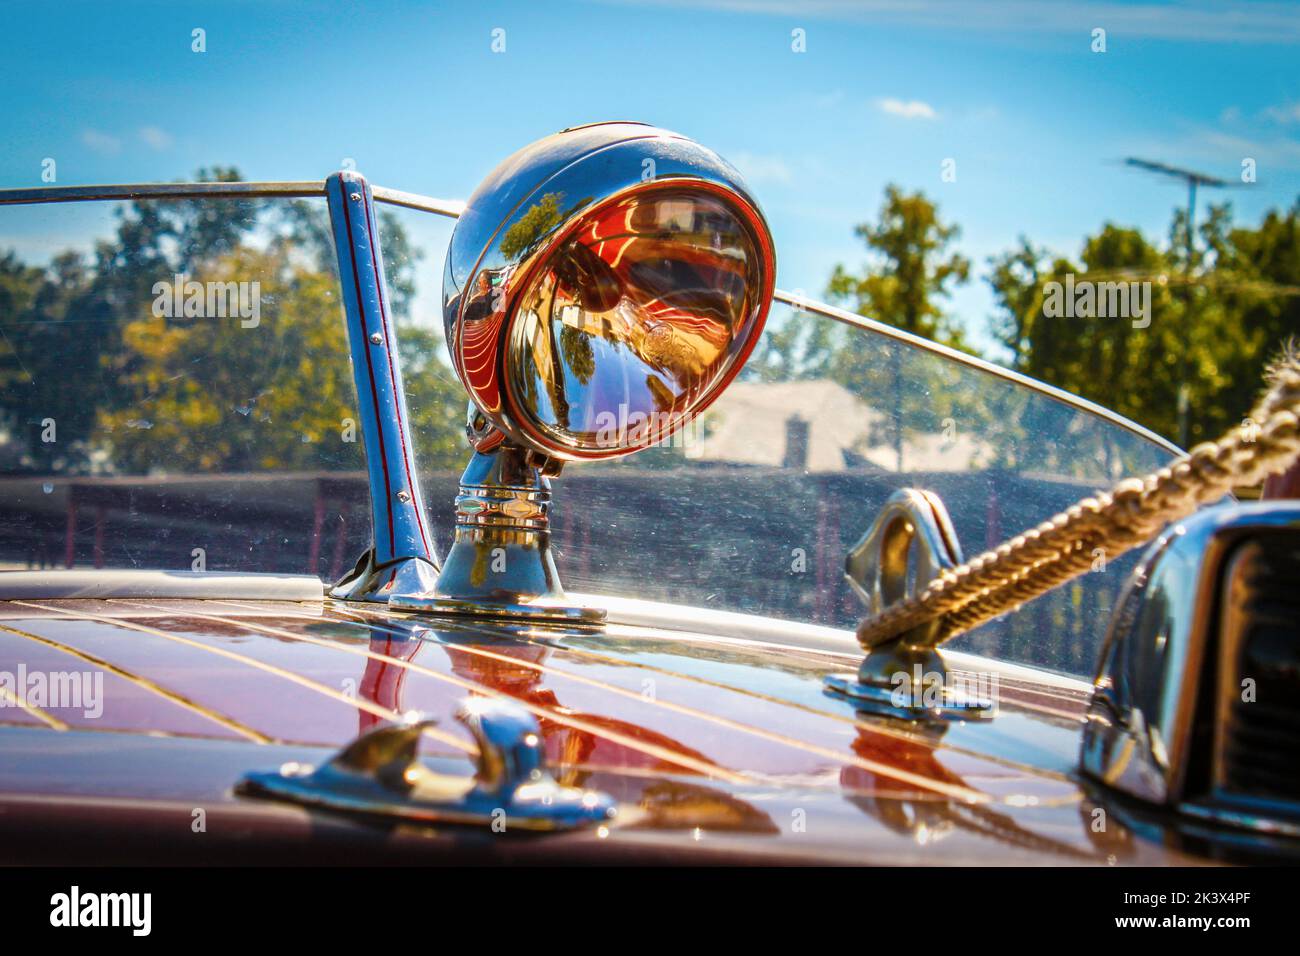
x=1037, y=122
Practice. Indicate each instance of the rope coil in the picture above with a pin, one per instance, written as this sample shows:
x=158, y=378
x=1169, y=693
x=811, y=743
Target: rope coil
x=1115, y=522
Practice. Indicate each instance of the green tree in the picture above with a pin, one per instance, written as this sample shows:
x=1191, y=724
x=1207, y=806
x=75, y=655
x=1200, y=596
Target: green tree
x=435, y=399
x=541, y=217
x=210, y=395
x=1101, y=356
x=55, y=323
x=1216, y=317
x=204, y=394
x=1016, y=278
x=911, y=268
x=1256, y=281
x=795, y=345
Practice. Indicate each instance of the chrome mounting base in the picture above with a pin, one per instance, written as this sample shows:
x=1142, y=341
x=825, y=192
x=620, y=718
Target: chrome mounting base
x=905, y=677
x=500, y=564
x=369, y=581
x=910, y=683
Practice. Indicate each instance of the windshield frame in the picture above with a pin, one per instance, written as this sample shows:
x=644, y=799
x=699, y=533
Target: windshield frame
x=452, y=209
x=381, y=570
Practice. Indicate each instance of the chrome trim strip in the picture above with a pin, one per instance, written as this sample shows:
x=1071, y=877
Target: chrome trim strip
x=1142, y=726
x=1254, y=823
x=237, y=190
x=402, y=537
x=138, y=583
x=451, y=208
x=1019, y=378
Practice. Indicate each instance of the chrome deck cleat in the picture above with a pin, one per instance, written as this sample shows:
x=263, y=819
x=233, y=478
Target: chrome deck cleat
x=379, y=774
x=906, y=677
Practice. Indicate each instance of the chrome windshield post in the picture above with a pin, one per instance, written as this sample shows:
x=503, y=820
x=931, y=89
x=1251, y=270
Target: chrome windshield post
x=402, y=556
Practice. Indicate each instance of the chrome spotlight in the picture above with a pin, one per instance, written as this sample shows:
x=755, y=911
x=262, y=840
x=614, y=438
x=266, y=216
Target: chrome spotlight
x=602, y=288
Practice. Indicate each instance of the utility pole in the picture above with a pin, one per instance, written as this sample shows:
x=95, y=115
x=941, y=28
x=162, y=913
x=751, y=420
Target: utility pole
x=1192, y=179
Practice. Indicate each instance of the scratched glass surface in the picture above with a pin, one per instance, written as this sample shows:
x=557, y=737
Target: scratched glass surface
x=754, y=505
x=130, y=439
x=175, y=389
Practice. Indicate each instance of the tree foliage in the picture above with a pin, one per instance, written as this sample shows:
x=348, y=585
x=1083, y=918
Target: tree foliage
x=912, y=268
x=132, y=391
x=1216, y=318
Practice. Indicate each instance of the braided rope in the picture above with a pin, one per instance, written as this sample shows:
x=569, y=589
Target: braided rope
x=1132, y=513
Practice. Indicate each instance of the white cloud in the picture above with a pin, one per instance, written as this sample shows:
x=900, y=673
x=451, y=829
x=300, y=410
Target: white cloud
x=907, y=109
x=1284, y=153
x=100, y=142
x=758, y=168
x=155, y=138
x=1290, y=113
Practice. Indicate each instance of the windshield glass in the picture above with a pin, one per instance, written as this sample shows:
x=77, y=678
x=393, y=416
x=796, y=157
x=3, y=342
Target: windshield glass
x=175, y=389
x=753, y=507
x=175, y=393
x=756, y=508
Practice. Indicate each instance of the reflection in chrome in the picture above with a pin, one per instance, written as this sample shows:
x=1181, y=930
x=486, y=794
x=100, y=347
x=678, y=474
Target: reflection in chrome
x=634, y=320
x=380, y=774
x=1169, y=723
x=602, y=287
x=610, y=268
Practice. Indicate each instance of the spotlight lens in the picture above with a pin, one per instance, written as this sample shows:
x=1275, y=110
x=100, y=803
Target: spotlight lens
x=635, y=320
